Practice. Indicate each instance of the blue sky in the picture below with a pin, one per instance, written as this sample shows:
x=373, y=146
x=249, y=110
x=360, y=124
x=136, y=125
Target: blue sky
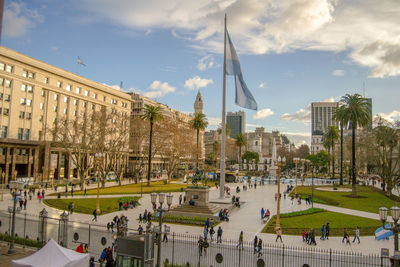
x=292, y=52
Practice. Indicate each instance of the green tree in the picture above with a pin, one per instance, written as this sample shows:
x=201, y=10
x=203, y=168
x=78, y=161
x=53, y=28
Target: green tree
x=199, y=123
x=151, y=114
x=339, y=115
x=240, y=141
x=357, y=114
x=249, y=156
x=319, y=161
x=330, y=138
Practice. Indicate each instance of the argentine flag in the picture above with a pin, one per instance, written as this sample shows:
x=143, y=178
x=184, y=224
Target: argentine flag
x=381, y=233
x=243, y=97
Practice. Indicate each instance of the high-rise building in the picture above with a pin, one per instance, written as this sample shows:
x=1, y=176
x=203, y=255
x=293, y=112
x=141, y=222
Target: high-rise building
x=236, y=122
x=321, y=118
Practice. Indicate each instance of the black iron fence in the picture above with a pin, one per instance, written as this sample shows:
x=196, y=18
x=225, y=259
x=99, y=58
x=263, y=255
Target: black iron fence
x=183, y=249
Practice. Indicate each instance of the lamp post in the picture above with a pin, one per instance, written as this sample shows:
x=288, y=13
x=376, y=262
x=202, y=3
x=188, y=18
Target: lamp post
x=296, y=160
x=280, y=164
x=302, y=172
x=160, y=210
x=15, y=187
x=383, y=212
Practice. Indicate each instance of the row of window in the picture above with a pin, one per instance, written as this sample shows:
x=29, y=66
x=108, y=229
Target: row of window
x=23, y=134
x=26, y=88
x=5, y=82
x=6, y=97
x=25, y=115
x=5, y=111
x=6, y=67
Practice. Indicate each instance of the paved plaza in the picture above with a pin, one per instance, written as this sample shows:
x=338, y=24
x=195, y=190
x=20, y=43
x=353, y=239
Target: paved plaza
x=246, y=218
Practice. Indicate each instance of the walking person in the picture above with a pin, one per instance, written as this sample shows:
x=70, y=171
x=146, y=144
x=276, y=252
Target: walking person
x=259, y=247
x=26, y=201
x=205, y=232
x=278, y=234
x=262, y=213
x=345, y=236
x=165, y=238
x=240, y=243
x=327, y=229
x=357, y=235
x=200, y=244
x=94, y=216
x=255, y=244
x=180, y=200
x=212, y=232
x=313, y=242
x=323, y=232
x=72, y=192
x=219, y=235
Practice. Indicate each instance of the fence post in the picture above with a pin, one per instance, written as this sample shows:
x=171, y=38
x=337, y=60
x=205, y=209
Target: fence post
x=330, y=257
x=173, y=247
x=283, y=255
x=24, y=229
x=63, y=229
x=42, y=231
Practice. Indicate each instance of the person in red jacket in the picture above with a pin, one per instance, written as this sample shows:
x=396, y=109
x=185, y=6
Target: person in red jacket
x=79, y=248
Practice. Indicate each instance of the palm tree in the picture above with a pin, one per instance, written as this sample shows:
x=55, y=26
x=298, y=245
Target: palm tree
x=151, y=114
x=227, y=130
x=330, y=138
x=199, y=123
x=357, y=113
x=339, y=115
x=240, y=141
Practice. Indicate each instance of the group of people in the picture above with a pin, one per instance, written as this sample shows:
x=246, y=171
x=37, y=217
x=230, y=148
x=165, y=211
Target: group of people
x=309, y=237
x=346, y=236
x=223, y=215
x=107, y=256
x=257, y=243
x=120, y=222
x=236, y=201
x=127, y=204
x=146, y=217
x=265, y=213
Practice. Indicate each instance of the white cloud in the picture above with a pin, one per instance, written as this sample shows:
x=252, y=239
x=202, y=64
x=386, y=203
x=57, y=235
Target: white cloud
x=18, y=19
x=390, y=116
x=365, y=29
x=263, y=113
x=338, y=73
x=206, y=62
x=196, y=82
x=159, y=89
x=299, y=138
x=214, y=122
x=261, y=85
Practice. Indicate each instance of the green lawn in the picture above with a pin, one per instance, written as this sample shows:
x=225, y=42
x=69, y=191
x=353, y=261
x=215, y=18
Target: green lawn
x=134, y=189
x=294, y=225
x=369, y=199
x=184, y=220
x=88, y=205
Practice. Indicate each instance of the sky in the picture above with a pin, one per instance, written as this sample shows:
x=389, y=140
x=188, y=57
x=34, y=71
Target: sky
x=292, y=52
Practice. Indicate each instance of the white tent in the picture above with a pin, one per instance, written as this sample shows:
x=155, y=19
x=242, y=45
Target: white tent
x=53, y=255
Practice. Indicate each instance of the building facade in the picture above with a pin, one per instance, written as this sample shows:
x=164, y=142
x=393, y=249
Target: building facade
x=236, y=122
x=321, y=118
x=262, y=142
x=33, y=96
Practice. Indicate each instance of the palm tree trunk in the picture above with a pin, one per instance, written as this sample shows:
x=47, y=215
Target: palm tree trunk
x=197, y=149
x=341, y=154
x=333, y=160
x=240, y=156
x=353, y=146
x=150, y=147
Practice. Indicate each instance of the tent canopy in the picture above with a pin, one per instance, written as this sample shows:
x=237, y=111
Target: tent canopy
x=53, y=255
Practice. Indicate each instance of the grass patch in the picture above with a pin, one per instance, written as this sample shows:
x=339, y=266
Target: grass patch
x=20, y=240
x=368, y=199
x=157, y=187
x=88, y=205
x=294, y=223
x=183, y=220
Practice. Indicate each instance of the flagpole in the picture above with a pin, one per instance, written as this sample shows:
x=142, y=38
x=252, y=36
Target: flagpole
x=223, y=130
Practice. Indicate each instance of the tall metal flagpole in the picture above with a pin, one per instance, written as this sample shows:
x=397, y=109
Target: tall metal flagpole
x=223, y=130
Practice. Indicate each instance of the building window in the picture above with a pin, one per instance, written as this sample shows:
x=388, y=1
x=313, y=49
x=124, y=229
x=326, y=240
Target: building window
x=94, y=95
x=55, y=108
x=104, y=98
x=41, y=118
x=41, y=105
x=27, y=134
x=4, y=132
x=22, y=101
x=65, y=111
x=86, y=92
x=65, y=99
x=59, y=84
x=8, y=83
x=6, y=111
x=77, y=90
x=93, y=107
x=9, y=68
x=84, y=104
x=68, y=87
x=2, y=66
x=20, y=133
x=42, y=93
x=1, y=81
x=7, y=97
x=21, y=115
x=46, y=80
x=55, y=96
x=28, y=102
x=74, y=113
x=1, y=96
x=75, y=102
x=28, y=74
x=28, y=115
x=40, y=135
x=23, y=87
x=29, y=88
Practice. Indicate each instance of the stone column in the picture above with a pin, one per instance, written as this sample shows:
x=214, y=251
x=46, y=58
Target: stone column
x=63, y=230
x=29, y=161
x=35, y=163
x=42, y=231
x=13, y=159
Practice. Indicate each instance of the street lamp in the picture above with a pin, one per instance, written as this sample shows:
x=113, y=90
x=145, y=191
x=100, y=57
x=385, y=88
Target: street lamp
x=161, y=211
x=312, y=182
x=296, y=160
x=280, y=164
x=16, y=186
x=383, y=212
x=302, y=172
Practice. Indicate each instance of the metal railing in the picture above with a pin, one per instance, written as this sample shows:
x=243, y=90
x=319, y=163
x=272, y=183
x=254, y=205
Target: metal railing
x=183, y=249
